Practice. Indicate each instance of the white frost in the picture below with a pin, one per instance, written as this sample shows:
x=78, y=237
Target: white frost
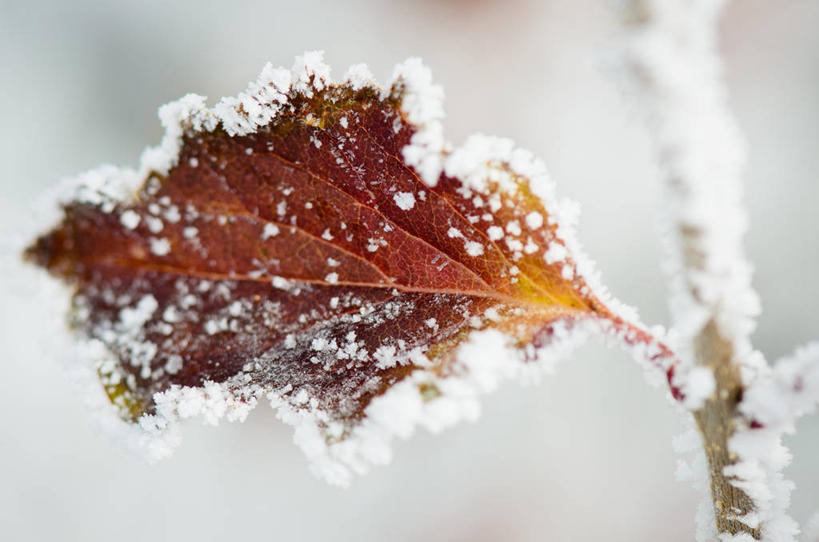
x=482, y=363
x=698, y=385
x=495, y=233
x=423, y=104
x=270, y=230
x=534, y=220
x=473, y=248
x=404, y=200
x=129, y=219
x=555, y=253
x=160, y=246
x=358, y=76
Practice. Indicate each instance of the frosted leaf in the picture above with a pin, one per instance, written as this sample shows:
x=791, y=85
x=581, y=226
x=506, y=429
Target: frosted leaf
x=335, y=258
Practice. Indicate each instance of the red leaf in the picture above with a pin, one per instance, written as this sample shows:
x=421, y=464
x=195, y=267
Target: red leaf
x=317, y=244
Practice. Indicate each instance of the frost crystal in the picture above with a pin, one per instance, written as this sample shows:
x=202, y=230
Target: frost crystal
x=270, y=230
x=404, y=200
x=474, y=248
x=129, y=219
x=423, y=104
x=160, y=247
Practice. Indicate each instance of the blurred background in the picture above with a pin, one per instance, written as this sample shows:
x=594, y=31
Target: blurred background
x=585, y=455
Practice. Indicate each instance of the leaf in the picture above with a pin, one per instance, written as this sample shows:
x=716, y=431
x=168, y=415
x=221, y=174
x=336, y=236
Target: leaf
x=317, y=244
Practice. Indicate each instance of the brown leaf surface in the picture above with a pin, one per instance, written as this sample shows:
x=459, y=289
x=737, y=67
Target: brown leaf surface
x=305, y=259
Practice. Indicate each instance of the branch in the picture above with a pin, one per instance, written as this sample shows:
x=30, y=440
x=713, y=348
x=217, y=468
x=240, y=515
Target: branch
x=673, y=54
x=770, y=406
x=674, y=57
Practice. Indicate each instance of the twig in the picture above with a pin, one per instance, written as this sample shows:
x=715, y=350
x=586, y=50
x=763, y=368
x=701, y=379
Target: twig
x=673, y=54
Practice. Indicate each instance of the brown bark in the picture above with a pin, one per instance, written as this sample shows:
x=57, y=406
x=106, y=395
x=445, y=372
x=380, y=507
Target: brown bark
x=716, y=424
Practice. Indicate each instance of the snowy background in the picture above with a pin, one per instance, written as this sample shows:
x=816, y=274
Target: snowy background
x=587, y=454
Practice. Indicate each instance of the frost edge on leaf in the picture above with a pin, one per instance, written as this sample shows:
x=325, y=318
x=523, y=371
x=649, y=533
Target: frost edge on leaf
x=410, y=403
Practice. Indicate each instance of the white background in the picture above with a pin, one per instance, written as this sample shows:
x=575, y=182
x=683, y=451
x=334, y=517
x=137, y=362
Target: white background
x=587, y=454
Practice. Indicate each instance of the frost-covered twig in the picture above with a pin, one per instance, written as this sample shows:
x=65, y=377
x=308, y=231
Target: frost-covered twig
x=673, y=54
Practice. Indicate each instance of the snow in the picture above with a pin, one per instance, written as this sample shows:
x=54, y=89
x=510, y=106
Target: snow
x=269, y=230
x=160, y=246
x=698, y=386
x=129, y=219
x=155, y=225
x=404, y=200
x=385, y=356
x=534, y=220
x=495, y=233
x=281, y=283
x=482, y=363
x=190, y=110
x=212, y=327
x=132, y=319
x=212, y=403
x=310, y=72
x=422, y=102
x=513, y=228
x=358, y=76
x=789, y=391
x=473, y=248
x=555, y=253
x=259, y=104
x=172, y=214
x=104, y=187
x=235, y=308
x=469, y=162
x=171, y=314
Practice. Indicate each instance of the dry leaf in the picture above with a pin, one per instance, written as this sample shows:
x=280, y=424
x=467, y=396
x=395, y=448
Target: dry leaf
x=316, y=244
